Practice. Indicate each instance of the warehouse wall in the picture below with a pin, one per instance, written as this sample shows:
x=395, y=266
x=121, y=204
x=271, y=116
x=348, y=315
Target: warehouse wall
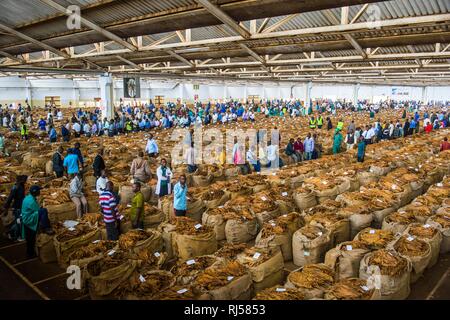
x=83, y=93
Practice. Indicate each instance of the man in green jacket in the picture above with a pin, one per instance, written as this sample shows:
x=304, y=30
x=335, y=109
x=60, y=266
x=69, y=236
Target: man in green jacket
x=33, y=218
x=337, y=141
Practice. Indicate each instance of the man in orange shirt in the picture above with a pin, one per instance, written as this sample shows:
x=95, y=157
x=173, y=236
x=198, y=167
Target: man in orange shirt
x=445, y=145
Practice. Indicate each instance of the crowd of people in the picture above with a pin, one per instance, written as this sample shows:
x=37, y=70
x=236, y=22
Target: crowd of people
x=28, y=217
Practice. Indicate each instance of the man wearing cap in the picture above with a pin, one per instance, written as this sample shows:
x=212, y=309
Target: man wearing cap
x=34, y=217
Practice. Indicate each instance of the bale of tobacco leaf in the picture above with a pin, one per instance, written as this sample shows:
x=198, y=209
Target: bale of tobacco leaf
x=429, y=234
x=351, y=289
x=311, y=280
x=309, y=244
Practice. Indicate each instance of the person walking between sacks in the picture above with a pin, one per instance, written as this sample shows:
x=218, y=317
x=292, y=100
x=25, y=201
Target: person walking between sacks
x=52, y=134
x=14, y=201
x=77, y=196
x=140, y=170
x=99, y=163
x=137, y=207
x=34, y=219
x=71, y=162
x=109, y=207
x=361, y=149
x=308, y=146
x=180, y=197
x=58, y=162
x=24, y=131
x=152, y=147
x=337, y=141
x=164, y=175
x=350, y=140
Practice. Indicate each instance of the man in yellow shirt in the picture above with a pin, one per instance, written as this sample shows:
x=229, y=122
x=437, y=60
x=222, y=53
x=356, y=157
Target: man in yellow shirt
x=137, y=207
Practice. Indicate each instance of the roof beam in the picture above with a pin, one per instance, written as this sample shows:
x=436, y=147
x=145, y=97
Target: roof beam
x=129, y=62
x=280, y=23
x=330, y=16
x=412, y=50
x=359, y=13
x=34, y=41
x=263, y=25
x=224, y=17
x=10, y=56
x=91, y=25
x=180, y=58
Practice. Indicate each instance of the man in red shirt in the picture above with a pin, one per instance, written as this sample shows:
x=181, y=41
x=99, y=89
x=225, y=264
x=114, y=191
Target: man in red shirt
x=445, y=145
x=428, y=128
x=299, y=149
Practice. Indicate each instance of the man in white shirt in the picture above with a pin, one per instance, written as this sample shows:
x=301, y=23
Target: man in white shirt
x=190, y=158
x=87, y=129
x=101, y=183
x=76, y=129
x=272, y=156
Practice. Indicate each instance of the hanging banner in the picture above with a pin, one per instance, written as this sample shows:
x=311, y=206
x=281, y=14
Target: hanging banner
x=132, y=88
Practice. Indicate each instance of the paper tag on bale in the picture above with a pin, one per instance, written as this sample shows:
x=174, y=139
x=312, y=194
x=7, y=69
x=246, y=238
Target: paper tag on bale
x=284, y=194
x=96, y=241
x=111, y=253
x=372, y=231
x=190, y=262
x=281, y=289
x=410, y=238
x=229, y=278
x=141, y=278
x=198, y=226
x=349, y=248
x=306, y=253
x=157, y=254
x=182, y=291
x=256, y=255
x=426, y=226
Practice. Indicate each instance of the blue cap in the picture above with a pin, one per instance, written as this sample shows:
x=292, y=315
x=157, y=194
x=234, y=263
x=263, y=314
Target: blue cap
x=35, y=189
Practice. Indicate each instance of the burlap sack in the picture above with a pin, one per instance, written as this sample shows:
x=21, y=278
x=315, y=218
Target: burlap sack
x=366, y=178
x=64, y=249
x=339, y=231
x=62, y=212
x=434, y=242
x=266, y=274
x=201, y=181
x=345, y=263
x=445, y=232
x=358, y=218
x=186, y=246
x=237, y=289
x=217, y=222
x=391, y=287
x=218, y=202
x=418, y=263
x=379, y=215
x=166, y=229
x=195, y=210
x=308, y=293
x=153, y=243
x=395, y=227
x=49, y=168
x=240, y=231
x=282, y=242
x=379, y=170
x=153, y=220
x=265, y=216
x=46, y=248
x=105, y=283
x=306, y=251
x=305, y=200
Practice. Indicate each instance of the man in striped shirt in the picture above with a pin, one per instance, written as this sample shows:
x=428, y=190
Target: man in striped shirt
x=108, y=204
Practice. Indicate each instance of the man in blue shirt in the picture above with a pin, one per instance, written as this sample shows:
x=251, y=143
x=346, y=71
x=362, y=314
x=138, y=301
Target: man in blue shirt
x=412, y=126
x=180, y=197
x=52, y=134
x=42, y=124
x=71, y=162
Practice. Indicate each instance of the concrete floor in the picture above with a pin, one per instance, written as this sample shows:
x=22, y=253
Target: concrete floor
x=24, y=279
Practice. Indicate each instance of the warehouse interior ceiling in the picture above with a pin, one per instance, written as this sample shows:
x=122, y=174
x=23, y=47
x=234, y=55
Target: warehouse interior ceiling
x=399, y=42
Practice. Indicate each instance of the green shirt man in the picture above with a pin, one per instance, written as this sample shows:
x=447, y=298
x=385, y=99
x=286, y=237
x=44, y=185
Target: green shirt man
x=137, y=207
